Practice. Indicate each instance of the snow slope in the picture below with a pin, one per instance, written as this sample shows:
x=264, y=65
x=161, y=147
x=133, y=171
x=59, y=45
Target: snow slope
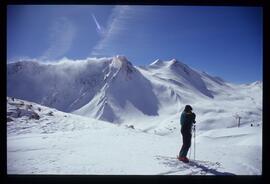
x=54, y=142
x=126, y=90
x=66, y=85
x=214, y=101
x=107, y=116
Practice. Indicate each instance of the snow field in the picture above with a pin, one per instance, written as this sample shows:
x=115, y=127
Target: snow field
x=104, y=151
x=99, y=148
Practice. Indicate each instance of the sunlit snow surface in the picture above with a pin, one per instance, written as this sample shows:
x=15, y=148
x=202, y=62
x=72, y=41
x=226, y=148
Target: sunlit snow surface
x=106, y=116
x=63, y=143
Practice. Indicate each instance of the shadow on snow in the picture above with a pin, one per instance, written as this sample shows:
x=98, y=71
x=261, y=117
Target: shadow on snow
x=191, y=168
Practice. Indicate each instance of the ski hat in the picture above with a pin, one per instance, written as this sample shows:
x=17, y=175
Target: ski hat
x=188, y=108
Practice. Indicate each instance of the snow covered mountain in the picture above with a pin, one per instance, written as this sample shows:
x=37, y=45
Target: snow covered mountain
x=125, y=88
x=58, y=121
x=112, y=89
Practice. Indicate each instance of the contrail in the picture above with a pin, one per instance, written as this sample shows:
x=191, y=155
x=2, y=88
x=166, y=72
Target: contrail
x=98, y=25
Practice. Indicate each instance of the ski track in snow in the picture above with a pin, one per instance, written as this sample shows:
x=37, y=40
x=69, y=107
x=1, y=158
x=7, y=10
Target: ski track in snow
x=194, y=167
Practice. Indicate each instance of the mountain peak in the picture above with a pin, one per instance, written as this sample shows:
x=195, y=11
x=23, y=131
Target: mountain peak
x=121, y=62
x=256, y=83
x=121, y=58
x=169, y=63
x=158, y=61
x=175, y=62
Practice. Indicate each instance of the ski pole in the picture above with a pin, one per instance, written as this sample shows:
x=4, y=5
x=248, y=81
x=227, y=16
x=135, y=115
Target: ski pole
x=194, y=130
x=190, y=145
x=190, y=150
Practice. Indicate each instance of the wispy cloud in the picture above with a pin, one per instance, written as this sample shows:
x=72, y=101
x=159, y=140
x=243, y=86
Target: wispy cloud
x=116, y=25
x=62, y=33
x=97, y=23
x=21, y=58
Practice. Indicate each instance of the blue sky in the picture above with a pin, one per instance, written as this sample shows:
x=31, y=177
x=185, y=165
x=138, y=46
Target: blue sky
x=222, y=41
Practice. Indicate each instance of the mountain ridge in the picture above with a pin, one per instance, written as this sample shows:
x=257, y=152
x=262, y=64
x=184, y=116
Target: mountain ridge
x=114, y=90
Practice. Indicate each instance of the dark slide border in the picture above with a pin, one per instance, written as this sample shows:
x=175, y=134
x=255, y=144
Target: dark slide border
x=23, y=179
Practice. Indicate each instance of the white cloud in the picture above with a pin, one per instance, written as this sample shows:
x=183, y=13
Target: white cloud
x=62, y=33
x=21, y=58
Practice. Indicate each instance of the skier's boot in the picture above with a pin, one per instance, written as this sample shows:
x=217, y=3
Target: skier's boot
x=183, y=159
x=186, y=160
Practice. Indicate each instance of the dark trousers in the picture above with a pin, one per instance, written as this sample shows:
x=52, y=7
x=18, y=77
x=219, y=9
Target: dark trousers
x=186, y=144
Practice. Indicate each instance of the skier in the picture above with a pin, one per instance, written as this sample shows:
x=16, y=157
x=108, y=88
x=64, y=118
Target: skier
x=187, y=120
